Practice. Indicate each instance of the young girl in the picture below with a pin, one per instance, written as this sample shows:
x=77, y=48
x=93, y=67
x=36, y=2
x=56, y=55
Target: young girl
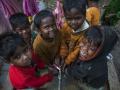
x=22, y=72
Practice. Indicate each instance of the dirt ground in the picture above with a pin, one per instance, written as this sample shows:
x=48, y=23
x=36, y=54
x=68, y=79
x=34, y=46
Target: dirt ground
x=116, y=51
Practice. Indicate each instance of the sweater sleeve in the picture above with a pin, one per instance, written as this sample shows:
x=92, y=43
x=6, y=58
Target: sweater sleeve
x=63, y=48
x=72, y=56
x=38, y=60
x=37, y=81
x=22, y=78
x=89, y=15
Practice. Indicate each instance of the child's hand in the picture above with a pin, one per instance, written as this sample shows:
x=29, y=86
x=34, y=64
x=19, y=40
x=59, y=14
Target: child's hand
x=44, y=73
x=48, y=76
x=57, y=60
x=64, y=67
x=53, y=70
x=44, y=87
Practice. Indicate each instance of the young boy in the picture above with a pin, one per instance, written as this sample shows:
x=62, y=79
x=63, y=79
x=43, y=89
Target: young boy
x=48, y=44
x=21, y=25
x=75, y=14
x=91, y=65
x=22, y=72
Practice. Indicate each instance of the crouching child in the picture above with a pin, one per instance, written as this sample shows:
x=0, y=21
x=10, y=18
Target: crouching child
x=22, y=70
x=90, y=67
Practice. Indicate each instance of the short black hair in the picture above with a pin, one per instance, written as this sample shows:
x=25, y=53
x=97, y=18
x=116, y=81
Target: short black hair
x=78, y=4
x=8, y=44
x=94, y=34
x=41, y=15
x=96, y=1
x=19, y=20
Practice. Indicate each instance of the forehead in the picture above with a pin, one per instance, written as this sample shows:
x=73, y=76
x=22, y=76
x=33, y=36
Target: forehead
x=73, y=12
x=47, y=20
x=23, y=28
x=20, y=49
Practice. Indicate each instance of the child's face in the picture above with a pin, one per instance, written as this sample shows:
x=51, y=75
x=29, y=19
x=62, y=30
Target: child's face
x=48, y=29
x=25, y=33
x=87, y=49
x=74, y=18
x=22, y=57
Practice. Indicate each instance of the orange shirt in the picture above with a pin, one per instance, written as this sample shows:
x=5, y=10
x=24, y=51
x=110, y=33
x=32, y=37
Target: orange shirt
x=72, y=41
x=93, y=15
x=47, y=51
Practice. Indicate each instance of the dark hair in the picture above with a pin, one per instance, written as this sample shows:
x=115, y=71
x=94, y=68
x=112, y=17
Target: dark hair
x=8, y=44
x=78, y=4
x=96, y=1
x=19, y=20
x=41, y=15
x=94, y=34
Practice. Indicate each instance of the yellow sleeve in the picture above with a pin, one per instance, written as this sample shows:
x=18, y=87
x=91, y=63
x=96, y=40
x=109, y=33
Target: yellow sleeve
x=93, y=15
x=66, y=32
x=63, y=48
x=89, y=15
x=72, y=56
x=96, y=16
x=36, y=42
x=63, y=51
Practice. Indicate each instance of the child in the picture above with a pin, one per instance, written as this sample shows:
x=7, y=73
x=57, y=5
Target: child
x=21, y=25
x=75, y=14
x=22, y=71
x=48, y=44
x=91, y=65
x=93, y=13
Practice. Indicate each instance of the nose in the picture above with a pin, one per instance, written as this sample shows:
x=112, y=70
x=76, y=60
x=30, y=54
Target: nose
x=24, y=32
x=73, y=21
x=84, y=49
x=51, y=34
x=25, y=57
x=50, y=29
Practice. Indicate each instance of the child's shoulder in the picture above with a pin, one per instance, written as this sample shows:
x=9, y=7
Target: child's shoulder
x=92, y=9
x=37, y=41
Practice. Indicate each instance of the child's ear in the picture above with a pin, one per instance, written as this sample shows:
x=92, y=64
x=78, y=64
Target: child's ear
x=11, y=59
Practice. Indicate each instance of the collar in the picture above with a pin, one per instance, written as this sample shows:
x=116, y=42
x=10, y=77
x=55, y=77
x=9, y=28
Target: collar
x=84, y=26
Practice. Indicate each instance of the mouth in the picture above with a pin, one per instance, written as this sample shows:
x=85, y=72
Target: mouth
x=28, y=62
x=50, y=39
x=83, y=54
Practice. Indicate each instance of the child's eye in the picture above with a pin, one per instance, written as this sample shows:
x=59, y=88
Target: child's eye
x=25, y=50
x=46, y=27
x=77, y=18
x=16, y=56
x=93, y=48
x=68, y=18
